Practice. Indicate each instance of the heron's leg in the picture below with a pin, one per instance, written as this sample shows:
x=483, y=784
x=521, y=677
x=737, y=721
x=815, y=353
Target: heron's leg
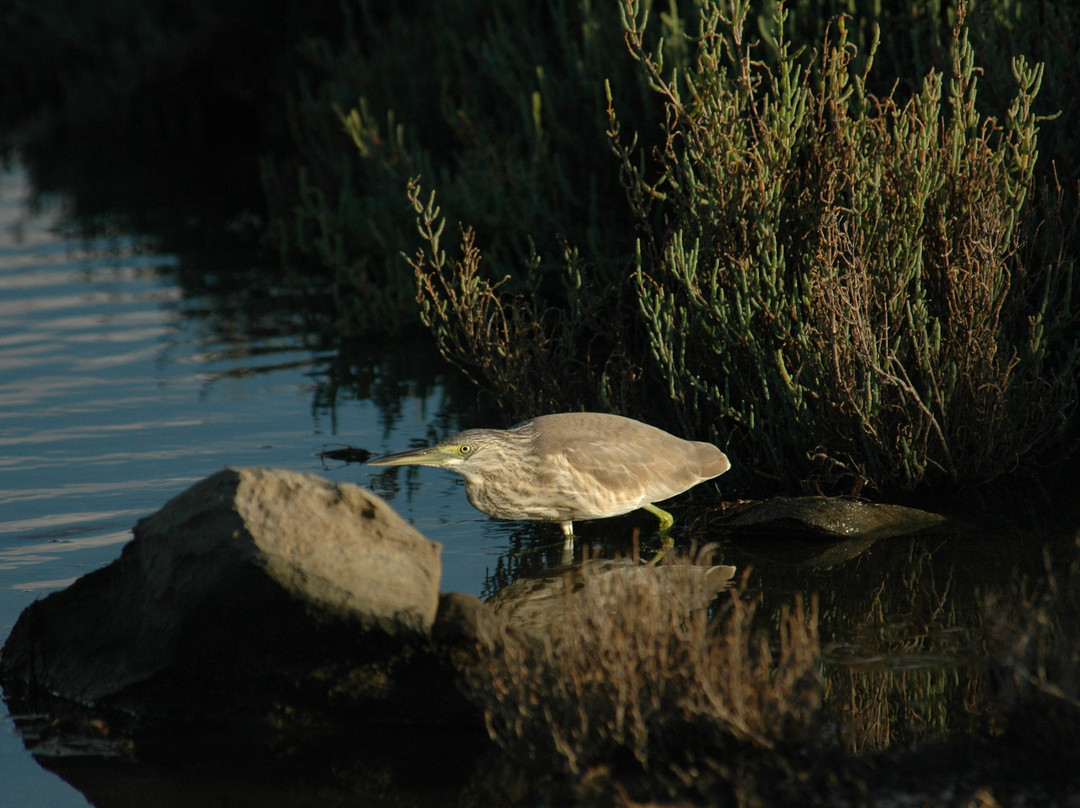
x=568, y=542
x=666, y=519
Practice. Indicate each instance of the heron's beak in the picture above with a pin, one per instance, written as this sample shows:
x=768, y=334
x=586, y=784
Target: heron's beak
x=428, y=456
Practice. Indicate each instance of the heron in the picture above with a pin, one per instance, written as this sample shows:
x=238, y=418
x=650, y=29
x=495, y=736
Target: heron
x=570, y=466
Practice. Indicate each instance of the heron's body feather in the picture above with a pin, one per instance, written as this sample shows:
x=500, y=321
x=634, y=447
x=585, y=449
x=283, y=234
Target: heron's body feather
x=570, y=466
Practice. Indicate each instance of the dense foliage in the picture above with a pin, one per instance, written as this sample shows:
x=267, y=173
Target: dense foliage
x=838, y=243
x=850, y=291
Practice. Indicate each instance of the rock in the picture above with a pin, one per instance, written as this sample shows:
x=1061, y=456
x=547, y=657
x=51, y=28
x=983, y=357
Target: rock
x=831, y=517
x=255, y=587
x=460, y=618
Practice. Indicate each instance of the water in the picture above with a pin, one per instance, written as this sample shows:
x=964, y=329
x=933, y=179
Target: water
x=119, y=389
x=123, y=381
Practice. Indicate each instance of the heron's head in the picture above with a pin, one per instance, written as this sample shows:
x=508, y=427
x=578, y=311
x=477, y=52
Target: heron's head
x=474, y=451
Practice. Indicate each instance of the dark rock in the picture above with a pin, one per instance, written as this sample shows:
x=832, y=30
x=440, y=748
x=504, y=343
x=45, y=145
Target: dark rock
x=831, y=517
x=256, y=589
x=459, y=618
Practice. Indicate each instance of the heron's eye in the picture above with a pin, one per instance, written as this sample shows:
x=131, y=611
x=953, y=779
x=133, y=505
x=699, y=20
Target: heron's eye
x=466, y=448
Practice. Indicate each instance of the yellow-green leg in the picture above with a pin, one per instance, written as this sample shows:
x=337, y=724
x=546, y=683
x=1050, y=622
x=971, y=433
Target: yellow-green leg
x=666, y=521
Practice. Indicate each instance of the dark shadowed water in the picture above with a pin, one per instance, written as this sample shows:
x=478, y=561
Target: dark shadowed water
x=120, y=386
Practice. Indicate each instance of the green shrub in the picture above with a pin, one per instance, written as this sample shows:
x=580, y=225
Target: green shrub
x=842, y=285
x=842, y=289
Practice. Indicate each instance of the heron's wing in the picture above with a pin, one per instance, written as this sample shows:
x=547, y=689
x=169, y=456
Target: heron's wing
x=602, y=465
x=608, y=477
x=643, y=477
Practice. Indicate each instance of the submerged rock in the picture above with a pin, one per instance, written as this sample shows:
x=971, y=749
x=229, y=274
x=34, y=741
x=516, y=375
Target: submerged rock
x=831, y=517
x=254, y=587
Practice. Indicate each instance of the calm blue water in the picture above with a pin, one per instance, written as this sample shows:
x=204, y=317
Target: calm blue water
x=116, y=393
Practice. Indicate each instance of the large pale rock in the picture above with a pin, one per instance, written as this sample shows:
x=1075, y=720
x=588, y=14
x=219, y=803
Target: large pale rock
x=337, y=547
x=252, y=584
